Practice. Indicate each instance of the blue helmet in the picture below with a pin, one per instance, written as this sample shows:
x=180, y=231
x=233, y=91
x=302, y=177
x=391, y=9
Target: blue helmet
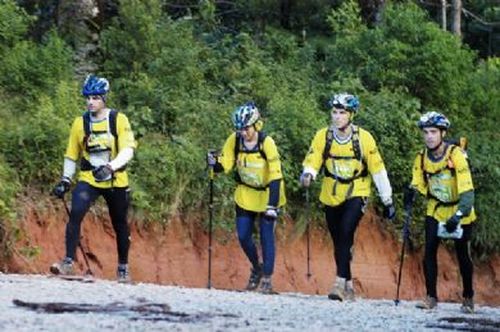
x=94, y=86
x=433, y=119
x=344, y=101
x=245, y=115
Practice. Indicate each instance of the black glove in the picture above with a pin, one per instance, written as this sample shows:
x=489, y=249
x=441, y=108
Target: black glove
x=102, y=173
x=212, y=158
x=409, y=194
x=62, y=187
x=390, y=212
x=452, y=223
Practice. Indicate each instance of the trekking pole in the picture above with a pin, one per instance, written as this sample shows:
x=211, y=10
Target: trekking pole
x=89, y=271
x=406, y=239
x=210, y=216
x=308, y=212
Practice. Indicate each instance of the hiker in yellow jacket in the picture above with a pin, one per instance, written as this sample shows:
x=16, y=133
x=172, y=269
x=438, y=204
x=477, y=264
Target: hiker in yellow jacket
x=260, y=191
x=441, y=173
x=348, y=155
x=103, y=142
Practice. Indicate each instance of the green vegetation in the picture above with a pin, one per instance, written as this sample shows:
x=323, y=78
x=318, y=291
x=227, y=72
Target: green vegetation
x=179, y=77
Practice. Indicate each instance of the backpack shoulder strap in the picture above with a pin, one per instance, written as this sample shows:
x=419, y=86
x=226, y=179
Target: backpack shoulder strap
x=112, y=122
x=450, y=164
x=356, y=146
x=237, y=138
x=261, y=139
x=421, y=154
x=113, y=114
x=86, y=123
x=328, y=143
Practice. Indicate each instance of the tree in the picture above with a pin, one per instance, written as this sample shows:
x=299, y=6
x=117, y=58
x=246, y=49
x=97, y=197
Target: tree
x=457, y=14
x=371, y=10
x=75, y=22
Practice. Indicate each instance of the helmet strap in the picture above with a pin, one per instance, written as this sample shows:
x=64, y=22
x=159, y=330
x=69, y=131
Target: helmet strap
x=436, y=148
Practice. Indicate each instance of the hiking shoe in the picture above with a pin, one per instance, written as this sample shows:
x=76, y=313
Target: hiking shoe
x=338, y=291
x=254, y=280
x=122, y=273
x=349, y=291
x=428, y=303
x=266, y=286
x=467, y=306
x=65, y=267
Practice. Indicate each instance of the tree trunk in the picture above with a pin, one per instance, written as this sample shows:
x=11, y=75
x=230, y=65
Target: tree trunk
x=285, y=10
x=371, y=11
x=456, y=27
x=77, y=25
x=443, y=15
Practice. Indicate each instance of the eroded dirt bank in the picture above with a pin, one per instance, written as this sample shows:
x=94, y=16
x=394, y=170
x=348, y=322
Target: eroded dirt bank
x=177, y=255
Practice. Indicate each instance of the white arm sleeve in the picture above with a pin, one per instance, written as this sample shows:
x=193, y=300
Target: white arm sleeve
x=123, y=157
x=69, y=168
x=383, y=187
x=311, y=171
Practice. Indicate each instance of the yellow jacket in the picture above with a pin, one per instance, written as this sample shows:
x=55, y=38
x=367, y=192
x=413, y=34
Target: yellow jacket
x=101, y=138
x=341, y=165
x=254, y=172
x=442, y=182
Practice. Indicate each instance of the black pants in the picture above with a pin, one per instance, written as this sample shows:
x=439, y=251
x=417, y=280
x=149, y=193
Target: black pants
x=342, y=221
x=462, y=249
x=117, y=200
x=245, y=221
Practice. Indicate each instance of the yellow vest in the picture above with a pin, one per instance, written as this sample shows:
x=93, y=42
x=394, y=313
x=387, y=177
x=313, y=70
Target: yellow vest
x=100, y=139
x=442, y=181
x=255, y=173
x=348, y=176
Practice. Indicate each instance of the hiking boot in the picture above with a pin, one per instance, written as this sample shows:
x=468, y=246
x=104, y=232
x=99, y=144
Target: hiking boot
x=338, y=291
x=467, y=306
x=65, y=267
x=428, y=303
x=349, y=291
x=254, y=280
x=122, y=273
x=266, y=286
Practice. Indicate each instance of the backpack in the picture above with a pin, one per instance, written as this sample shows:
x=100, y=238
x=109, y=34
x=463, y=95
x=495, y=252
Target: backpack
x=455, y=143
x=112, y=125
x=260, y=142
x=87, y=129
x=237, y=145
x=356, y=146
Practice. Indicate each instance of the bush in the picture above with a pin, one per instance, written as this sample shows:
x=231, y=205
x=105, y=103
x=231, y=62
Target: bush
x=406, y=52
x=34, y=142
x=180, y=80
x=8, y=190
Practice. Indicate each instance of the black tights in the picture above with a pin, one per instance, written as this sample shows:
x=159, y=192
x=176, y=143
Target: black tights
x=342, y=221
x=117, y=200
x=463, y=255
